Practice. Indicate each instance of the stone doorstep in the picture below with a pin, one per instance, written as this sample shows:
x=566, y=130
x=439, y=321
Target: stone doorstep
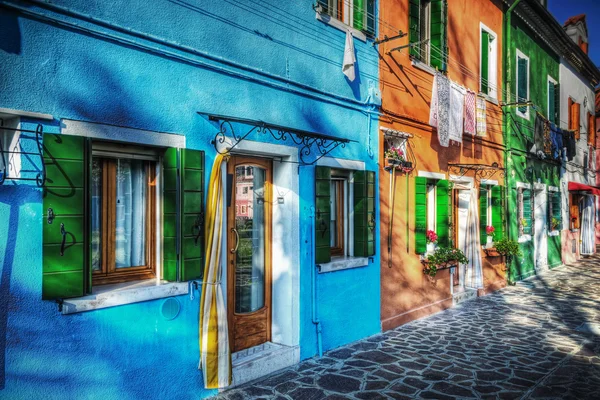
x=460, y=297
x=260, y=361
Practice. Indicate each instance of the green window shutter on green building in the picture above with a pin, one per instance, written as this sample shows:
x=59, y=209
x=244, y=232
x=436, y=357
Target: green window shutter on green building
x=554, y=203
x=420, y=215
x=364, y=213
x=483, y=210
x=551, y=102
x=370, y=17
x=522, y=84
x=359, y=14
x=66, y=159
x=414, y=26
x=484, y=68
x=322, y=215
x=183, y=213
x=442, y=209
x=527, y=211
x=498, y=212
x=439, y=47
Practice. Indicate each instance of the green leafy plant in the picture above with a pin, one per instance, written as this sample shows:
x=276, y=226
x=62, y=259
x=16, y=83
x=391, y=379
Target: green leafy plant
x=554, y=223
x=508, y=248
x=443, y=257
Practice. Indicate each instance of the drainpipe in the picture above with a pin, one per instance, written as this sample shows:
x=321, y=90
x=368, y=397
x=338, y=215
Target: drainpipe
x=313, y=282
x=507, y=91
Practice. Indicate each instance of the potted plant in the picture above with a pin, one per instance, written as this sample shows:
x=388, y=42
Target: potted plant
x=432, y=238
x=394, y=156
x=489, y=230
x=508, y=249
x=554, y=223
x=443, y=258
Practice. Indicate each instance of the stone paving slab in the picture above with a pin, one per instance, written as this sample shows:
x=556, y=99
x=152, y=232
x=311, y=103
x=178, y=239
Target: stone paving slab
x=521, y=342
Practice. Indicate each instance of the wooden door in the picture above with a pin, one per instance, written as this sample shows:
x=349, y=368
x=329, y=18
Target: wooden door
x=249, y=252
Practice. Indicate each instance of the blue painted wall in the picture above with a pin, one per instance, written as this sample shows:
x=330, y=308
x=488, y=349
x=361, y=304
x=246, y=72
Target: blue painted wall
x=255, y=59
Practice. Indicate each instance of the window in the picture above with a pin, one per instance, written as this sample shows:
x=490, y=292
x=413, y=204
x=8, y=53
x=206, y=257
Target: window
x=591, y=130
x=554, y=213
x=101, y=214
x=358, y=14
x=338, y=215
x=491, y=211
x=344, y=213
x=245, y=190
x=432, y=211
x=488, y=62
x=524, y=199
x=522, y=84
x=574, y=118
x=427, y=32
x=574, y=218
x=243, y=210
x=122, y=214
x=553, y=101
x=585, y=164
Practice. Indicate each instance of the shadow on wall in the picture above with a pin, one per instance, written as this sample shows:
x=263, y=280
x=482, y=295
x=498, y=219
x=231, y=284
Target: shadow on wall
x=10, y=32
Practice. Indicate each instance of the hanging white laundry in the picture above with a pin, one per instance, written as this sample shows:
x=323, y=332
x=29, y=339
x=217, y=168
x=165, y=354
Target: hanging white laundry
x=443, y=92
x=472, y=246
x=433, y=108
x=457, y=110
x=470, y=121
x=481, y=117
x=349, y=58
x=587, y=226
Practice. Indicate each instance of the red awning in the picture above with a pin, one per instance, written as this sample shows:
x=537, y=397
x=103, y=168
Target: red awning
x=574, y=186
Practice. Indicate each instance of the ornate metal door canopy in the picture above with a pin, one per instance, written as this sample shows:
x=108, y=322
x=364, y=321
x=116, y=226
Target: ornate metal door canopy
x=309, y=141
x=482, y=171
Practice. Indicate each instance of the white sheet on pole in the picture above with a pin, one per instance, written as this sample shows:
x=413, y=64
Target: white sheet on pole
x=587, y=226
x=472, y=246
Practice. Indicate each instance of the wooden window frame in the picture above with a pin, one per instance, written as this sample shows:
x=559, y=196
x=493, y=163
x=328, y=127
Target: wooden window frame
x=108, y=273
x=339, y=250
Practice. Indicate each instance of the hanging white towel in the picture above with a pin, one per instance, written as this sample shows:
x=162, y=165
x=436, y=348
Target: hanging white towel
x=457, y=109
x=481, y=117
x=433, y=110
x=472, y=246
x=470, y=122
x=349, y=58
x=443, y=92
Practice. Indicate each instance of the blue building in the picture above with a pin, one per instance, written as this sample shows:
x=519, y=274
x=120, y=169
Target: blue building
x=112, y=115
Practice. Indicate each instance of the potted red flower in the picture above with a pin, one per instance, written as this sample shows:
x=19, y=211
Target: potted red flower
x=432, y=238
x=489, y=230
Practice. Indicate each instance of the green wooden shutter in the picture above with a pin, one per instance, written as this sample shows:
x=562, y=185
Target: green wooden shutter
x=438, y=34
x=555, y=207
x=420, y=215
x=498, y=212
x=483, y=210
x=171, y=223
x=183, y=214
x=66, y=160
x=527, y=211
x=371, y=17
x=322, y=214
x=522, y=82
x=551, y=102
x=557, y=105
x=364, y=213
x=359, y=14
x=485, y=56
x=192, y=214
x=414, y=27
x=442, y=212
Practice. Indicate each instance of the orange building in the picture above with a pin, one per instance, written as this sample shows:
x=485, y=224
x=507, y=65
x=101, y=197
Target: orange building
x=443, y=188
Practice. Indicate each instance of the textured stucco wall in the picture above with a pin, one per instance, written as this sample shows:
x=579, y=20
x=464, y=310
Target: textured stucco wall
x=542, y=63
x=261, y=61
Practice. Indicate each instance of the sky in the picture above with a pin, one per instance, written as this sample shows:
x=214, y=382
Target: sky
x=563, y=9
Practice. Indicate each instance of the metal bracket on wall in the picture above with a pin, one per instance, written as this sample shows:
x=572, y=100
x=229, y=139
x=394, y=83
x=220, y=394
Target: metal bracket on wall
x=481, y=171
x=310, y=142
x=40, y=178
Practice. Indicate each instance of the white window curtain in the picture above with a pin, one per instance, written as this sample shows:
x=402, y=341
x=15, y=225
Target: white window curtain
x=473, y=276
x=587, y=226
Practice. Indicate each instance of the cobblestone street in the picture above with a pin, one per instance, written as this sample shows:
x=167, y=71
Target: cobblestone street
x=537, y=340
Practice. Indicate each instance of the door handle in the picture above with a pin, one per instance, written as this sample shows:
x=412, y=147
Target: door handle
x=237, y=241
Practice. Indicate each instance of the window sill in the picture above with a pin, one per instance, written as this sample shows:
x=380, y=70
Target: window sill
x=422, y=66
x=524, y=238
x=124, y=293
x=554, y=233
x=340, y=263
x=488, y=98
x=336, y=23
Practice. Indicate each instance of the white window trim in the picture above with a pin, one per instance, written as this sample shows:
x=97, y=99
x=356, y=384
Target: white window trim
x=492, y=66
x=523, y=56
x=341, y=25
x=555, y=82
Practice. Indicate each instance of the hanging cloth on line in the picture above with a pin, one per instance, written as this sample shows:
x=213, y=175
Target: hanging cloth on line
x=470, y=113
x=538, y=137
x=557, y=141
x=481, y=117
x=349, y=58
x=569, y=143
x=433, y=106
x=443, y=88
x=457, y=105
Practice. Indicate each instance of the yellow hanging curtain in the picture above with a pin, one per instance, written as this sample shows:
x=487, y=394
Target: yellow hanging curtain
x=215, y=357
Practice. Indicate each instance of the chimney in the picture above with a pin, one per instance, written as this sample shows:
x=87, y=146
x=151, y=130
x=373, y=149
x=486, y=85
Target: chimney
x=576, y=28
